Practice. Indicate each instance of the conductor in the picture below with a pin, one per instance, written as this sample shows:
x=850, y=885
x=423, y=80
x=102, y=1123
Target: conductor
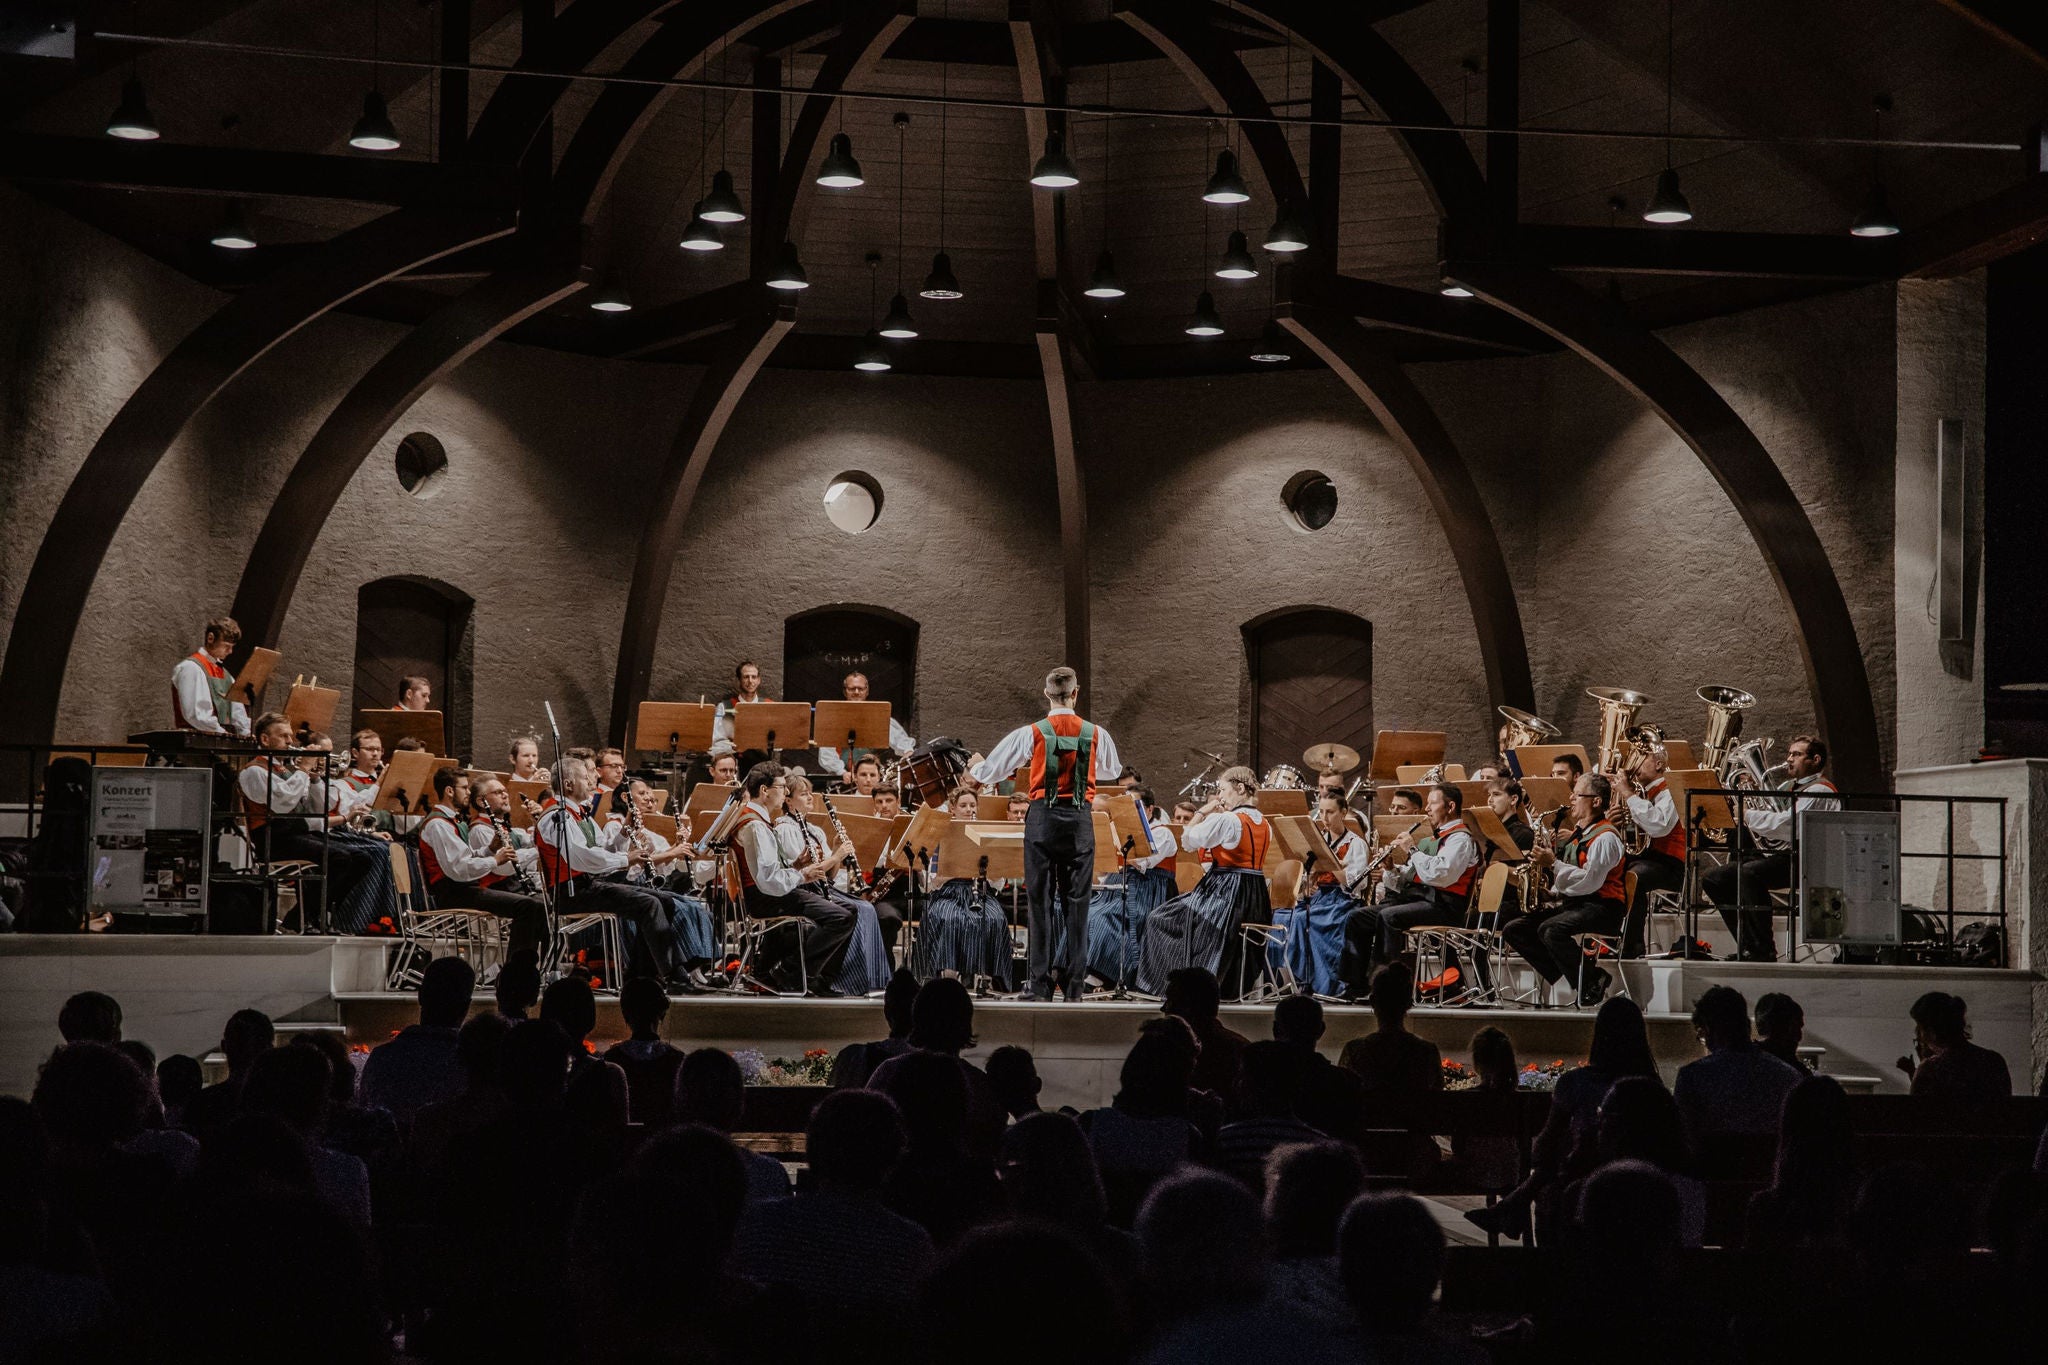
x=1067, y=757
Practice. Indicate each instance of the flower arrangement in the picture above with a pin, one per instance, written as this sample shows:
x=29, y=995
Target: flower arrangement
x=814, y=1067
x=1533, y=1076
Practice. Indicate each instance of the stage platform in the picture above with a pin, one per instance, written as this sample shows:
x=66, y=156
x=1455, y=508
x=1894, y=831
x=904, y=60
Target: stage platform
x=177, y=991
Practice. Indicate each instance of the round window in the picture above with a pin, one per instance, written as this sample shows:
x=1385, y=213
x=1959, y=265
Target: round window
x=1310, y=499
x=853, y=501
x=421, y=461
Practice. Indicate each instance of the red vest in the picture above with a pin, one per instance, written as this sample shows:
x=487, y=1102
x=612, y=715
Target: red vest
x=1332, y=876
x=1616, y=886
x=257, y=813
x=748, y=816
x=1068, y=725
x=432, y=865
x=1250, y=853
x=1671, y=845
x=1464, y=883
x=553, y=862
x=220, y=680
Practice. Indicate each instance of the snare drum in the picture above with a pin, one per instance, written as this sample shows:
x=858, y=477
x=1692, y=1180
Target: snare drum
x=1283, y=777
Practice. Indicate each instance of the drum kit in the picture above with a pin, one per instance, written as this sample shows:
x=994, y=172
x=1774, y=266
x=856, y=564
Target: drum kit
x=1322, y=760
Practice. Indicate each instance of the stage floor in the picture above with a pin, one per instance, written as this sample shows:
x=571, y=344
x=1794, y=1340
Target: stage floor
x=176, y=992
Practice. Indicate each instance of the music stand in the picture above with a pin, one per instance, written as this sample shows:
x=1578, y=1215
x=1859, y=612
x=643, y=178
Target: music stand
x=1188, y=866
x=601, y=811
x=1392, y=748
x=990, y=852
x=708, y=796
x=1696, y=794
x=535, y=792
x=1106, y=859
x=927, y=827
x=870, y=835
x=254, y=677
x=852, y=804
x=310, y=709
x=1534, y=759
x=1546, y=794
x=1129, y=832
x=1387, y=828
x=1474, y=793
x=1302, y=839
x=865, y=724
x=770, y=726
x=1408, y=774
x=1281, y=800
x=1678, y=754
x=673, y=727
x=397, y=723
x=407, y=784
x=1495, y=832
x=991, y=806
x=664, y=825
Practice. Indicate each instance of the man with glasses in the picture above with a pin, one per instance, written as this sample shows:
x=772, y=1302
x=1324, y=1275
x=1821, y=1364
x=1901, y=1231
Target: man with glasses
x=774, y=886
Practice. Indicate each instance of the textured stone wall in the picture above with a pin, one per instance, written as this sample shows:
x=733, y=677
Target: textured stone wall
x=1631, y=566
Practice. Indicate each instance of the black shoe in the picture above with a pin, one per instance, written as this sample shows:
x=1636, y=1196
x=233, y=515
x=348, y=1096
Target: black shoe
x=826, y=993
x=1593, y=983
x=1042, y=991
x=1073, y=997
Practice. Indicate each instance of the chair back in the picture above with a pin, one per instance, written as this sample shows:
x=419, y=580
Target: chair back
x=401, y=869
x=1286, y=884
x=1493, y=885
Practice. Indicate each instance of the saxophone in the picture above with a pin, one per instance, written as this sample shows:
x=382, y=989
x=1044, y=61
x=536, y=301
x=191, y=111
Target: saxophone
x=856, y=880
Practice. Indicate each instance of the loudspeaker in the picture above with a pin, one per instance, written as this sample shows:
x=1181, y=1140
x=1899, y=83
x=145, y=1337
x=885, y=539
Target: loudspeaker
x=241, y=905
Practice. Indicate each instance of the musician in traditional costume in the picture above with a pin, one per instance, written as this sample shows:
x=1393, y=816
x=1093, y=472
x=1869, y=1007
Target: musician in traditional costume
x=587, y=877
x=725, y=765
x=1646, y=792
x=1313, y=948
x=415, y=693
x=865, y=775
x=834, y=761
x=663, y=870
x=289, y=812
x=1587, y=874
x=963, y=929
x=1757, y=872
x=1200, y=929
x=524, y=753
x=1118, y=909
x=1067, y=757
x=475, y=868
x=611, y=770
x=1506, y=799
x=200, y=683
x=841, y=946
x=746, y=677
x=1433, y=890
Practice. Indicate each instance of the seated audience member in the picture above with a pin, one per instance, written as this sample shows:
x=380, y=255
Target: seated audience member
x=418, y=1067
x=1492, y=1160
x=291, y=1084
x=1049, y=1174
x=1639, y=1122
x=837, y=1247
x=1193, y=995
x=364, y=1131
x=440, y=1128
x=857, y=1061
x=1780, y=1027
x=178, y=1079
x=1390, y=1253
x=90, y=1017
x=518, y=988
x=939, y=1184
x=1308, y=1189
x=942, y=1020
x=1620, y=1047
x=596, y=1093
x=92, y=1102
x=1269, y=1083
x=710, y=1090
x=1627, y=1228
x=1391, y=1061
x=1014, y=1077
x=248, y=1035
x=1950, y=1066
x=1806, y=1206
x=1737, y=1087
x=1332, y=1097
x=1147, y=1131
x=993, y=1270
x=649, y=1061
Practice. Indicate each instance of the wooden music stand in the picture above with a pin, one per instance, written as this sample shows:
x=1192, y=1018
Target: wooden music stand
x=1302, y=840
x=1001, y=843
x=1535, y=758
x=852, y=724
x=310, y=709
x=673, y=727
x=1128, y=830
x=397, y=723
x=1281, y=800
x=1473, y=792
x=602, y=811
x=771, y=726
x=846, y=803
x=708, y=796
x=1387, y=828
x=1392, y=748
x=248, y=685
x=535, y=792
x=1410, y=774
x=1546, y=794
x=407, y=785
x=991, y=806
x=1188, y=866
x=1494, y=832
x=664, y=825
x=1712, y=812
x=1678, y=754
x=1106, y=860
x=870, y=835
x=926, y=827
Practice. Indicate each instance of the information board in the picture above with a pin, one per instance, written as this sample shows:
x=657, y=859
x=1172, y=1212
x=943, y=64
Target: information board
x=1849, y=876
x=148, y=844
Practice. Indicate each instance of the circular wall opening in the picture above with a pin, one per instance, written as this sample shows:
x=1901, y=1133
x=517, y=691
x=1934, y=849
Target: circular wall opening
x=1310, y=499
x=421, y=461
x=853, y=501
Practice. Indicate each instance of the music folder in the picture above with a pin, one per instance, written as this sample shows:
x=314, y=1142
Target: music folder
x=772, y=725
x=396, y=723
x=406, y=786
x=247, y=688
x=1393, y=748
x=682, y=727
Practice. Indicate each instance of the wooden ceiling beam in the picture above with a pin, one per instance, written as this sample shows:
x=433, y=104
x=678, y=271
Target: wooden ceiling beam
x=1413, y=310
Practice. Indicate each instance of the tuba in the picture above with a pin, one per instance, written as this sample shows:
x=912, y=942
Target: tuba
x=1520, y=728
x=1725, y=706
x=1618, y=710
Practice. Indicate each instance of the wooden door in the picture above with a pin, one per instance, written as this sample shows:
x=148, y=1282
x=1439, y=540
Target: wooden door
x=819, y=648
x=1311, y=683
x=403, y=627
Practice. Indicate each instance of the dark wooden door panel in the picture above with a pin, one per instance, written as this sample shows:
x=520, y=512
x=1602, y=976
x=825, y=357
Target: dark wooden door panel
x=401, y=628
x=820, y=648
x=1311, y=675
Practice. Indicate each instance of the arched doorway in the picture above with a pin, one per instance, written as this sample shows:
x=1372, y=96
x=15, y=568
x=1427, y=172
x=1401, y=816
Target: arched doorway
x=413, y=625
x=821, y=646
x=1310, y=670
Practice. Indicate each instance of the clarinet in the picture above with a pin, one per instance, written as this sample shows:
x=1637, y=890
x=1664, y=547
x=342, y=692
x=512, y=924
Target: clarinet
x=521, y=878
x=856, y=880
x=1379, y=860
x=636, y=833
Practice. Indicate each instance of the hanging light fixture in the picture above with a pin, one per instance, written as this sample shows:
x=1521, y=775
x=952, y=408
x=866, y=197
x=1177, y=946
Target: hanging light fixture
x=1286, y=234
x=701, y=234
x=787, y=272
x=722, y=205
x=940, y=283
x=1207, y=322
x=611, y=298
x=374, y=131
x=132, y=121
x=1226, y=186
x=1237, y=263
x=1103, y=284
x=873, y=356
x=1454, y=290
x=1271, y=347
x=1667, y=202
x=1055, y=170
x=1876, y=218
x=234, y=234
x=839, y=171
x=898, y=325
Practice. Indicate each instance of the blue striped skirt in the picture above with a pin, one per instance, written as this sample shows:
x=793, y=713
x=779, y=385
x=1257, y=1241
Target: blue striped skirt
x=1117, y=912
x=1315, y=940
x=1200, y=928
x=962, y=929
x=866, y=966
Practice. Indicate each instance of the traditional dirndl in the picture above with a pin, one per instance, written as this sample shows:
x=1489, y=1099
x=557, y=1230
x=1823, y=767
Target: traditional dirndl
x=866, y=966
x=1200, y=929
x=373, y=897
x=696, y=935
x=1116, y=920
x=1315, y=940
x=962, y=929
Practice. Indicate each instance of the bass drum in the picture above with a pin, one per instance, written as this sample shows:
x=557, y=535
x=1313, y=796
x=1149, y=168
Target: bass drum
x=1283, y=778
x=932, y=771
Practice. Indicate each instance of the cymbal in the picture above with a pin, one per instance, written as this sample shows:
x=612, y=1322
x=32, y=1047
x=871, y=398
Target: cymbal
x=1331, y=758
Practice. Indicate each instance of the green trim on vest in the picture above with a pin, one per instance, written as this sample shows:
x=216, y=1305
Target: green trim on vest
x=1082, y=746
